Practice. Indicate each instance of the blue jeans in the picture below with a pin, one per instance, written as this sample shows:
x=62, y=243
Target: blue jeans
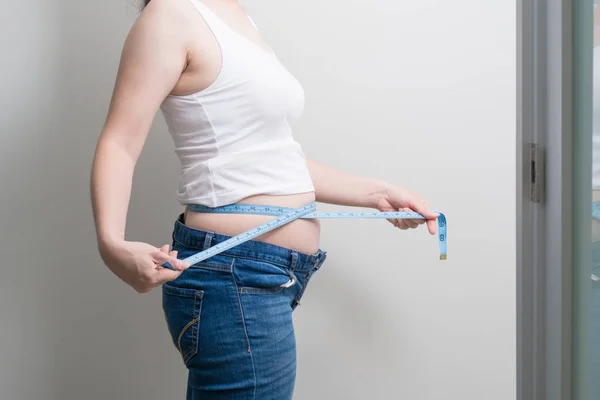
x=230, y=317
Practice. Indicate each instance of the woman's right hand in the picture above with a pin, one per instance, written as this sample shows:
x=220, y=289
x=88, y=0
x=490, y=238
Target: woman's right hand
x=139, y=264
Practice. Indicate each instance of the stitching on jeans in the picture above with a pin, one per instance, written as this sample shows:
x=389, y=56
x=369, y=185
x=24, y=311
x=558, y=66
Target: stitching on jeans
x=241, y=313
x=197, y=309
x=207, y=264
x=301, y=292
x=213, y=267
x=294, y=260
x=184, y=330
x=232, y=255
x=258, y=290
x=259, y=259
x=264, y=260
x=244, y=326
x=208, y=240
x=182, y=292
x=252, y=290
x=198, y=296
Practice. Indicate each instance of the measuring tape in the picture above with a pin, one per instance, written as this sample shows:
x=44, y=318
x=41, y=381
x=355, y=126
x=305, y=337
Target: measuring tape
x=286, y=215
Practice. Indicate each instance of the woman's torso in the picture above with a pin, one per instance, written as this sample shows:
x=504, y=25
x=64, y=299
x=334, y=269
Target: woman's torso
x=221, y=32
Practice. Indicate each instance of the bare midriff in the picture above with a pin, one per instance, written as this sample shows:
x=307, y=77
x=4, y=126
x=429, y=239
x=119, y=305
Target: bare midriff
x=302, y=235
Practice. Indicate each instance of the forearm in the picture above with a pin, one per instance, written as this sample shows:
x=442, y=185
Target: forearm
x=111, y=181
x=337, y=187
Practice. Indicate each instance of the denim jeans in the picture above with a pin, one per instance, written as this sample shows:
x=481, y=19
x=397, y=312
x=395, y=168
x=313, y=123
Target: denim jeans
x=230, y=317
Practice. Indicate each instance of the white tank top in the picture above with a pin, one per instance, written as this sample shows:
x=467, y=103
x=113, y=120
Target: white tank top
x=233, y=138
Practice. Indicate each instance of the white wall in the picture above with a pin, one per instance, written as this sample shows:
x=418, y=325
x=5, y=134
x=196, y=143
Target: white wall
x=418, y=93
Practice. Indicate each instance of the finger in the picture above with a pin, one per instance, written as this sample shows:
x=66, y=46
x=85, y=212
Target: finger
x=418, y=221
x=422, y=207
x=172, y=254
x=402, y=224
x=432, y=226
x=165, y=275
x=165, y=249
x=411, y=223
x=161, y=258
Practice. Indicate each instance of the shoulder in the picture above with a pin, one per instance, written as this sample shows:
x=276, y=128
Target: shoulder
x=155, y=52
x=163, y=21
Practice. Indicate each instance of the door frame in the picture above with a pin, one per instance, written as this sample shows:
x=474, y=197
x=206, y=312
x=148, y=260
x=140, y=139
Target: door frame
x=544, y=221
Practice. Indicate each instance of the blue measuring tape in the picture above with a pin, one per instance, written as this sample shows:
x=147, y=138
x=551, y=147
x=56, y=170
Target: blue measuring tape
x=286, y=215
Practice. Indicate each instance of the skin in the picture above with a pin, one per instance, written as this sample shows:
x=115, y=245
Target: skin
x=171, y=50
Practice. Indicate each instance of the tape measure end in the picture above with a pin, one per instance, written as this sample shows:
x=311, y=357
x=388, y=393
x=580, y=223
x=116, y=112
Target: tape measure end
x=166, y=264
x=443, y=257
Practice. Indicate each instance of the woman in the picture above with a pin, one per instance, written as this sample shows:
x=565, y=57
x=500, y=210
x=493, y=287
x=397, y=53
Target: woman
x=227, y=101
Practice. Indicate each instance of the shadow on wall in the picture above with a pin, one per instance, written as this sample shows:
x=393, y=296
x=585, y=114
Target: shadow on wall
x=29, y=130
x=349, y=326
x=78, y=332
x=110, y=341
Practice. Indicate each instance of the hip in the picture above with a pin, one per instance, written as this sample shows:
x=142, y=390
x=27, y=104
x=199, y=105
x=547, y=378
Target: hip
x=229, y=316
x=250, y=267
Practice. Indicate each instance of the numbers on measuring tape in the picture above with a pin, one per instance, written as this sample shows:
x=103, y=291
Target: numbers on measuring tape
x=286, y=215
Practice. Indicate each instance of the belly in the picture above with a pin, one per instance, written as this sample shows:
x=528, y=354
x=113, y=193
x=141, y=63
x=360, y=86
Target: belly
x=302, y=234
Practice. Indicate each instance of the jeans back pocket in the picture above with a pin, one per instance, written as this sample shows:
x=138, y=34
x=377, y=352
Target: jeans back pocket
x=182, y=308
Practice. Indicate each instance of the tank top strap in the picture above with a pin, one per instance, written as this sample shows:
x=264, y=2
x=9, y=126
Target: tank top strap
x=252, y=22
x=212, y=20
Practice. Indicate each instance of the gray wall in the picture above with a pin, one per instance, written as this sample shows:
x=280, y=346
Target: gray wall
x=418, y=93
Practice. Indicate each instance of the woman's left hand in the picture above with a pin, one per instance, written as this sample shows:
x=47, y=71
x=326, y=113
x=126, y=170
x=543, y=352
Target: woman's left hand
x=400, y=199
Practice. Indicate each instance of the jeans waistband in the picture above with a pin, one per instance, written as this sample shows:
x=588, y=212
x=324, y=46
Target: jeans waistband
x=261, y=251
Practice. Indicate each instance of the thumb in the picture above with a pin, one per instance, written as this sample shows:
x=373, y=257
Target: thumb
x=422, y=207
x=166, y=275
x=161, y=258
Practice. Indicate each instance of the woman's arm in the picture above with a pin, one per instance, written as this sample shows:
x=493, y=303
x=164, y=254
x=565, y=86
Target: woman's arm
x=152, y=60
x=336, y=187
